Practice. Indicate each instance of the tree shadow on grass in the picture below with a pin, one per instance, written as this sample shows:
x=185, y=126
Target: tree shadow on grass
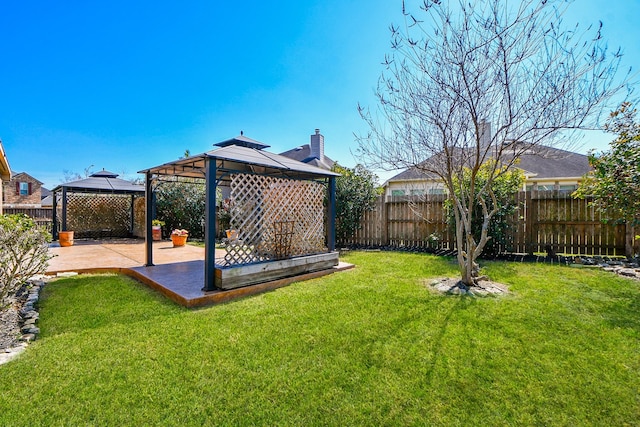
x=461, y=303
x=623, y=311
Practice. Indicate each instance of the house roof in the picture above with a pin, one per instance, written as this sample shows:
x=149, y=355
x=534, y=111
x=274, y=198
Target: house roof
x=241, y=159
x=102, y=182
x=540, y=162
x=48, y=201
x=5, y=169
x=303, y=154
x=17, y=175
x=548, y=162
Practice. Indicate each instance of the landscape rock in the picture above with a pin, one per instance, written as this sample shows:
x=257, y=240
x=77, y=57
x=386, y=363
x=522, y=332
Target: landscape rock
x=626, y=272
x=453, y=286
x=18, y=322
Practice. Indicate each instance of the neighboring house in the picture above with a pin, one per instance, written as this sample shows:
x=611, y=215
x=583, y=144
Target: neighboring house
x=545, y=168
x=5, y=172
x=47, y=198
x=312, y=153
x=23, y=191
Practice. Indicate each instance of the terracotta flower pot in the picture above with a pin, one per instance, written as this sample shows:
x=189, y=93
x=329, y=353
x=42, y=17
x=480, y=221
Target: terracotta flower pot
x=156, y=232
x=178, y=240
x=65, y=238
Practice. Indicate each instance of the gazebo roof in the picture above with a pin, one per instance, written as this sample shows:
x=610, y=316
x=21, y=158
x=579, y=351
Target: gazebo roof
x=243, y=141
x=241, y=159
x=102, y=182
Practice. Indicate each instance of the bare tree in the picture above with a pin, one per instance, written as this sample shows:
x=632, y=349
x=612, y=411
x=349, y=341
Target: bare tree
x=459, y=69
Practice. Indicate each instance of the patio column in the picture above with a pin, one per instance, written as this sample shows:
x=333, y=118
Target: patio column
x=210, y=225
x=331, y=213
x=54, y=226
x=148, y=200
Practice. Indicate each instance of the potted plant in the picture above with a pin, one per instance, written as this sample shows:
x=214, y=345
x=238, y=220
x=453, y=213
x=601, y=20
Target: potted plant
x=179, y=237
x=156, y=229
x=65, y=238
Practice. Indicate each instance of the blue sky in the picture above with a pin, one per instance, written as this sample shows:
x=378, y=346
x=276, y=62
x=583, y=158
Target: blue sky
x=126, y=85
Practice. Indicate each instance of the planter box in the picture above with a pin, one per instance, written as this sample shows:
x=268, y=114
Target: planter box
x=245, y=275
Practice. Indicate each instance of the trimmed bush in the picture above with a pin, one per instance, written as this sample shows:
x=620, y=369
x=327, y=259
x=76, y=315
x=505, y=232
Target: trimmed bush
x=24, y=252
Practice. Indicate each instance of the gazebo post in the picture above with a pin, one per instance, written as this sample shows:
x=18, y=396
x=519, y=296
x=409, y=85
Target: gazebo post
x=331, y=208
x=54, y=226
x=148, y=241
x=210, y=225
x=64, y=208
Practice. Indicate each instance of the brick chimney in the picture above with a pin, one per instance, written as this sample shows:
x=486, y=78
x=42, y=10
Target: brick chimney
x=317, y=145
x=485, y=133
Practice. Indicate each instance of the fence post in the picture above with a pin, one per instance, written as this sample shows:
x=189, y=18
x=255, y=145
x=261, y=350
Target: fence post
x=629, y=239
x=529, y=219
x=385, y=220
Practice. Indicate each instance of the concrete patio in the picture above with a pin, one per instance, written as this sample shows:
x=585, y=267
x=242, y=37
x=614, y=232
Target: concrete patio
x=178, y=272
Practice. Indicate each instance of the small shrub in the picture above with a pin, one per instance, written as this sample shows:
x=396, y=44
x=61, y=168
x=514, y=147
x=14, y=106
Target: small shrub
x=355, y=194
x=24, y=252
x=181, y=204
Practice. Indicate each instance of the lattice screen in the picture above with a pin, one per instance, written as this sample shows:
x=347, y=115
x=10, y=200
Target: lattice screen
x=274, y=218
x=97, y=215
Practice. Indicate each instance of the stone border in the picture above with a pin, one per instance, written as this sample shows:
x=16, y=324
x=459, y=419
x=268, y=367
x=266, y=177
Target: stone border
x=28, y=315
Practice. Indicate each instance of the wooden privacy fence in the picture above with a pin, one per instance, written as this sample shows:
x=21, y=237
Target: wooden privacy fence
x=543, y=220
x=42, y=216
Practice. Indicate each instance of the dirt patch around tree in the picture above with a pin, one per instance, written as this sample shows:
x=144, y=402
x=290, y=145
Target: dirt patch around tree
x=454, y=286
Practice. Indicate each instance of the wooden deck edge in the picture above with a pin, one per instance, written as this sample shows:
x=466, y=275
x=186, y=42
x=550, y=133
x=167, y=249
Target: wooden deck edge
x=212, y=297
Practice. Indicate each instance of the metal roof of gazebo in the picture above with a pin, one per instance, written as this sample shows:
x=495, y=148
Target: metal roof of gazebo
x=239, y=155
x=239, y=158
x=102, y=182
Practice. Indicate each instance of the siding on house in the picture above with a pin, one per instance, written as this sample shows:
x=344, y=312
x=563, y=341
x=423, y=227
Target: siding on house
x=22, y=190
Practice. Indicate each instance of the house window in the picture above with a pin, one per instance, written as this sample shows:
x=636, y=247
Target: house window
x=417, y=192
x=397, y=193
x=436, y=191
x=568, y=187
x=24, y=188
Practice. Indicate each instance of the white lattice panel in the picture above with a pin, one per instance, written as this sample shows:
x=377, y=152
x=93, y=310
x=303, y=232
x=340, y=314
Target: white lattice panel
x=275, y=218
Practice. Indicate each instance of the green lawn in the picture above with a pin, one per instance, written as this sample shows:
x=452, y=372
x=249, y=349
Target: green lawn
x=369, y=346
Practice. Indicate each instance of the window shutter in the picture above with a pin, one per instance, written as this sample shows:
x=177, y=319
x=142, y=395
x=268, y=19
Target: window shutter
x=17, y=188
x=30, y=188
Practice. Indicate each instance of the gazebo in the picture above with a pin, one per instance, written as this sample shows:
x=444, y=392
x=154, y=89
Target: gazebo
x=282, y=213
x=104, y=205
